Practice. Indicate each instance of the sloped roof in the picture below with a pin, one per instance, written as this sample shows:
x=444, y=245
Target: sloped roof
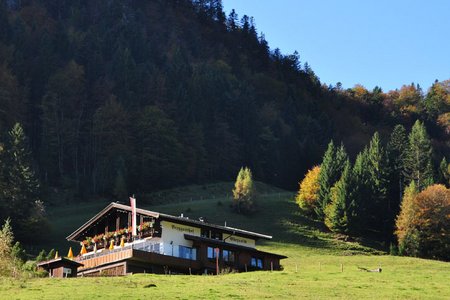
x=112, y=205
x=229, y=245
x=49, y=263
x=182, y=220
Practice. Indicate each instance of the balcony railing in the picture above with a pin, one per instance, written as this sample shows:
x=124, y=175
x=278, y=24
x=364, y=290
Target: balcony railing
x=147, y=246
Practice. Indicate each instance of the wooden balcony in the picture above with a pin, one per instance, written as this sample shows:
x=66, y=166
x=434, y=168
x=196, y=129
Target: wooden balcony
x=105, y=257
x=128, y=253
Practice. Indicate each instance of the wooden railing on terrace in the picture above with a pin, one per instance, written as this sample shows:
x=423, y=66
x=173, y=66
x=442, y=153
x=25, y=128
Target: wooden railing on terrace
x=105, y=257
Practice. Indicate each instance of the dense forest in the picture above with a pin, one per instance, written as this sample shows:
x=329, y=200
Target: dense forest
x=125, y=96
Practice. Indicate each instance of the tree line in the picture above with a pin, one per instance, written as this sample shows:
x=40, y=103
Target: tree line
x=375, y=195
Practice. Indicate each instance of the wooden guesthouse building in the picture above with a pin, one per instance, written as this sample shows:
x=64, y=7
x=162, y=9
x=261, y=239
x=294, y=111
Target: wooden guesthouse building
x=161, y=243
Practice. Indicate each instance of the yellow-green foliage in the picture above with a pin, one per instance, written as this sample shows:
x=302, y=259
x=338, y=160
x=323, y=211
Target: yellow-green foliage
x=405, y=220
x=243, y=191
x=307, y=195
x=6, y=258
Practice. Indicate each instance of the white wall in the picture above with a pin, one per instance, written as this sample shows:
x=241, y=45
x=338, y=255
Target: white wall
x=173, y=232
x=238, y=240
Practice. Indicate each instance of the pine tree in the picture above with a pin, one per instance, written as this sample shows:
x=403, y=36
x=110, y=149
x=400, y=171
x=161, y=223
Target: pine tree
x=330, y=171
x=336, y=212
x=243, y=192
x=396, y=153
x=377, y=167
x=358, y=210
x=22, y=186
x=418, y=161
x=444, y=172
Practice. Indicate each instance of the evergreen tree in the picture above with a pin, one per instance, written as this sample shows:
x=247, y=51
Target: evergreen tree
x=112, y=146
x=330, y=171
x=336, y=212
x=41, y=256
x=444, y=172
x=159, y=149
x=243, y=192
x=418, y=160
x=22, y=186
x=377, y=167
x=396, y=153
x=359, y=202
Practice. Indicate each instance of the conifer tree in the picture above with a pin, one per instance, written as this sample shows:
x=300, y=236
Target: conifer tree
x=358, y=209
x=21, y=184
x=330, y=171
x=336, y=212
x=418, y=161
x=378, y=205
x=444, y=172
x=396, y=153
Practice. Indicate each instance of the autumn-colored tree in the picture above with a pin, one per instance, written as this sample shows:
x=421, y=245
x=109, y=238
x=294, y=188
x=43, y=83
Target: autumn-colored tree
x=243, y=192
x=437, y=101
x=307, y=195
x=423, y=226
x=433, y=222
x=405, y=231
x=6, y=244
x=408, y=99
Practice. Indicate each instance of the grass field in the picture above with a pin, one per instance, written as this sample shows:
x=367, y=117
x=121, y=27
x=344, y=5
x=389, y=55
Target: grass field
x=319, y=265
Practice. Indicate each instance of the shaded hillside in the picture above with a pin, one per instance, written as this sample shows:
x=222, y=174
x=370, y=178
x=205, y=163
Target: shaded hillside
x=135, y=96
x=277, y=215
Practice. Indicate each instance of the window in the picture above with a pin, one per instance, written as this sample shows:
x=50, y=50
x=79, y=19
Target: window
x=187, y=253
x=256, y=262
x=205, y=233
x=228, y=255
x=215, y=235
x=211, y=253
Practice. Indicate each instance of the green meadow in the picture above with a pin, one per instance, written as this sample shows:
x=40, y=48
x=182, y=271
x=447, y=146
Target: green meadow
x=320, y=265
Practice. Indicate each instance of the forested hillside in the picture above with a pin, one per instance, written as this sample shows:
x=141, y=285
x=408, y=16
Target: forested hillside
x=125, y=96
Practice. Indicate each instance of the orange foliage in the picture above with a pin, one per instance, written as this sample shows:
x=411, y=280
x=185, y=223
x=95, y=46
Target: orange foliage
x=309, y=187
x=426, y=218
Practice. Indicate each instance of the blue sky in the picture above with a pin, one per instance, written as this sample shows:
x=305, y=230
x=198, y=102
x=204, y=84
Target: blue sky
x=374, y=43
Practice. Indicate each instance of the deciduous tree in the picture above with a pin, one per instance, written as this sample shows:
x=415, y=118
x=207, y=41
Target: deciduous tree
x=244, y=192
x=308, y=193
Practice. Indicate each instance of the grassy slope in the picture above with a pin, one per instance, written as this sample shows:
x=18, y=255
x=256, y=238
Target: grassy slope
x=313, y=269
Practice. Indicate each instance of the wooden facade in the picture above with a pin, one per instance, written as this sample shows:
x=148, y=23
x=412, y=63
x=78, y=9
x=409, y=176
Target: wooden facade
x=60, y=267
x=165, y=244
